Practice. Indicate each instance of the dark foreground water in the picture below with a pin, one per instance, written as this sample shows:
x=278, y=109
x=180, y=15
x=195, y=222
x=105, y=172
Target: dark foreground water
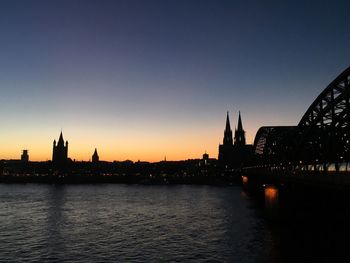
x=134, y=223
x=109, y=223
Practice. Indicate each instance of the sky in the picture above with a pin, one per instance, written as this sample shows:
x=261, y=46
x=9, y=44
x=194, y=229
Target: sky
x=141, y=80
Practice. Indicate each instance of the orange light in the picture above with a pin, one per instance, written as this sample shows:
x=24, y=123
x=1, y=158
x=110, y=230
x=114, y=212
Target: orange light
x=245, y=180
x=271, y=196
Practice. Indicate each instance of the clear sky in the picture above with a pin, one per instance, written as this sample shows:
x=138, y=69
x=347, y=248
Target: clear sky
x=144, y=79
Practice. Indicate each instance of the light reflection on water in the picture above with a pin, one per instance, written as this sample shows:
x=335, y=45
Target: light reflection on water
x=271, y=196
x=131, y=223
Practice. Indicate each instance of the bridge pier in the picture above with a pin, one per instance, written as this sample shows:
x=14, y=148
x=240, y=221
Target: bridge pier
x=266, y=191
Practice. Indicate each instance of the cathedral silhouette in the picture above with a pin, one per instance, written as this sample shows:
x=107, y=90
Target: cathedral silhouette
x=234, y=154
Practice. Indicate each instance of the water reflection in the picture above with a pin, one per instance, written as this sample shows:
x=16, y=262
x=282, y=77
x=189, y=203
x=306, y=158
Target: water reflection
x=271, y=197
x=245, y=181
x=308, y=225
x=55, y=221
x=110, y=223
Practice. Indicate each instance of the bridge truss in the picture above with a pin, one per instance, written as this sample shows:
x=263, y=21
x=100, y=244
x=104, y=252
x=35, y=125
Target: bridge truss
x=322, y=137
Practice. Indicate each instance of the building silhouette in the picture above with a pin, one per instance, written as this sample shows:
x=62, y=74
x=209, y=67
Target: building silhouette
x=239, y=133
x=24, y=156
x=205, y=158
x=226, y=149
x=60, y=153
x=237, y=154
x=95, y=157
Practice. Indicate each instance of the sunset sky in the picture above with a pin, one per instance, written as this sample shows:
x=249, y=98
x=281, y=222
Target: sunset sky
x=141, y=80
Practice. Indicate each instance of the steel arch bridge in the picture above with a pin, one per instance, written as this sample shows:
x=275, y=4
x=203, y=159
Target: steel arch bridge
x=321, y=139
x=273, y=143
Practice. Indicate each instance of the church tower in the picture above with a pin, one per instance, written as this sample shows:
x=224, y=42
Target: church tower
x=95, y=157
x=60, y=153
x=228, y=132
x=239, y=133
x=237, y=154
x=226, y=148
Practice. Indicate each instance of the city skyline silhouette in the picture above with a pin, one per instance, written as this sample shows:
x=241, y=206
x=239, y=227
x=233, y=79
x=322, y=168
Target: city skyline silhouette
x=174, y=131
x=145, y=80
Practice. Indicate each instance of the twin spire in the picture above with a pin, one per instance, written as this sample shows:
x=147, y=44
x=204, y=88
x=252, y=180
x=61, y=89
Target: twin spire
x=239, y=132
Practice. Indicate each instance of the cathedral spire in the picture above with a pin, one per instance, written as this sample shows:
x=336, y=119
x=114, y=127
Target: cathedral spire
x=228, y=132
x=240, y=126
x=228, y=126
x=239, y=132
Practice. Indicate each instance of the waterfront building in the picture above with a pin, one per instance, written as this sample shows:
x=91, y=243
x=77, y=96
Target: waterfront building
x=60, y=153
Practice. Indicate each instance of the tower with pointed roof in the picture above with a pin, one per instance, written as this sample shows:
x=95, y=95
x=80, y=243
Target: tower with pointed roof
x=228, y=132
x=95, y=157
x=226, y=148
x=239, y=133
x=234, y=154
x=60, y=152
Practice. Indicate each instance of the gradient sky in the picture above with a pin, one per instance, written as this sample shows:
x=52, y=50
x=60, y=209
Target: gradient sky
x=145, y=79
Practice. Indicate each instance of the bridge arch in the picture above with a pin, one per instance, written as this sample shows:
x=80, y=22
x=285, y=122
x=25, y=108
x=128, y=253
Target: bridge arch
x=323, y=131
x=322, y=135
x=273, y=144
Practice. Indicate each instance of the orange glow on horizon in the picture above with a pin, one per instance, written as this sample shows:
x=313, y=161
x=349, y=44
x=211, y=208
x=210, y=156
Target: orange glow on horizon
x=81, y=148
x=113, y=144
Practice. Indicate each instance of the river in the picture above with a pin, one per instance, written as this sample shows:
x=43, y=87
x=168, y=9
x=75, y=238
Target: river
x=136, y=223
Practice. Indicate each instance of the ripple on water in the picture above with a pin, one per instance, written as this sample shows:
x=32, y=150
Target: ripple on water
x=129, y=223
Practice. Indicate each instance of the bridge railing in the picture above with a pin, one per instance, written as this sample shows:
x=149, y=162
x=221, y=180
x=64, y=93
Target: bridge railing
x=302, y=168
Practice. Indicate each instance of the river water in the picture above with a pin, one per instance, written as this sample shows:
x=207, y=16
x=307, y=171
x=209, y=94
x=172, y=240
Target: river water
x=134, y=223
